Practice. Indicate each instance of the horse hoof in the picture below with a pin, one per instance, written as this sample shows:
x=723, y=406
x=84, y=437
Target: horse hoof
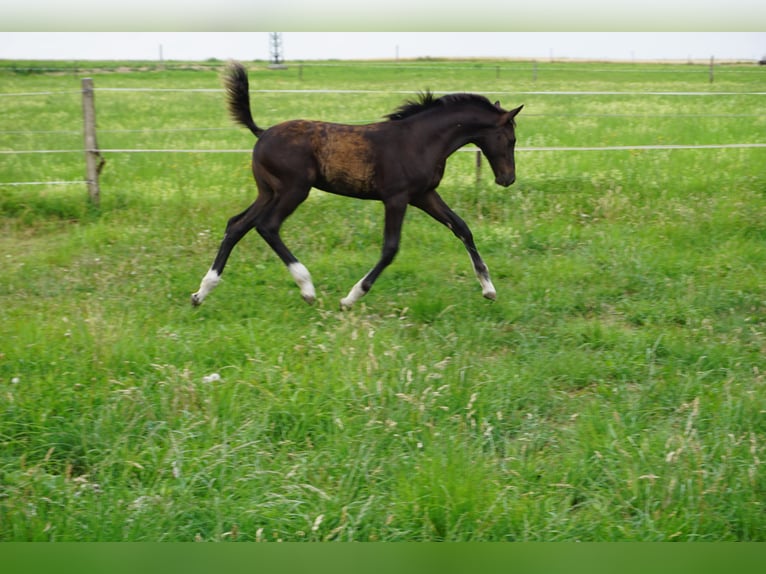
x=195, y=300
x=310, y=299
x=345, y=305
x=490, y=295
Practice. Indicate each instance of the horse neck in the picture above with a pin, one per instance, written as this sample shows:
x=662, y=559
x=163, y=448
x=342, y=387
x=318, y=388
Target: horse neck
x=454, y=129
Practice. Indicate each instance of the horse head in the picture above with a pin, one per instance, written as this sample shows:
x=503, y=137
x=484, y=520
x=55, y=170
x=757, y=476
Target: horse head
x=497, y=143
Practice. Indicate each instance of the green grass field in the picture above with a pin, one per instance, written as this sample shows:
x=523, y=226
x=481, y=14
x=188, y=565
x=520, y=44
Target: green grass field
x=615, y=390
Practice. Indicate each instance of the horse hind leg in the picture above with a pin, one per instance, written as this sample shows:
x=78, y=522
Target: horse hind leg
x=236, y=228
x=268, y=227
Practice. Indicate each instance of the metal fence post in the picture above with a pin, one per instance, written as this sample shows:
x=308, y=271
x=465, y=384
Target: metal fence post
x=478, y=165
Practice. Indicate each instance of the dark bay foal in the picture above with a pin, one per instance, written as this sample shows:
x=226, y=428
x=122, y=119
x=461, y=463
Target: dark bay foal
x=399, y=161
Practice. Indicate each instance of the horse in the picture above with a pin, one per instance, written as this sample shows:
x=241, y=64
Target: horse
x=399, y=161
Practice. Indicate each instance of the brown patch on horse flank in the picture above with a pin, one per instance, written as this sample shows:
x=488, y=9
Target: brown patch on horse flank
x=344, y=157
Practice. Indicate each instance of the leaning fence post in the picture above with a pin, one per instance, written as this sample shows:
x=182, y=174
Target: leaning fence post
x=93, y=160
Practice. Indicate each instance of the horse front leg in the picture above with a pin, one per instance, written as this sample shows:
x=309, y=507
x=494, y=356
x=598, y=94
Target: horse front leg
x=395, y=211
x=434, y=205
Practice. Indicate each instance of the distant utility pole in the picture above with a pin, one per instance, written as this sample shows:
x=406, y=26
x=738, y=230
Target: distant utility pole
x=276, y=61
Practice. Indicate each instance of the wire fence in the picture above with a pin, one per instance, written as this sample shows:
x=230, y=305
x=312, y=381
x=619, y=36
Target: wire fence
x=521, y=149
x=466, y=149
x=403, y=92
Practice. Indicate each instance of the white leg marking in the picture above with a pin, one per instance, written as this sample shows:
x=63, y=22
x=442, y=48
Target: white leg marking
x=353, y=296
x=487, y=289
x=209, y=281
x=303, y=279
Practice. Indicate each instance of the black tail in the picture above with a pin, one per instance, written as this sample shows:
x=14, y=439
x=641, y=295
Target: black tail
x=238, y=97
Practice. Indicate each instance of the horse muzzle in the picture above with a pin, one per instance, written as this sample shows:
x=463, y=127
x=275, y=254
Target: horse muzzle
x=505, y=180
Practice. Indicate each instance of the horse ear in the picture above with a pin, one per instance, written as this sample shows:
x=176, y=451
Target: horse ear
x=507, y=117
x=497, y=104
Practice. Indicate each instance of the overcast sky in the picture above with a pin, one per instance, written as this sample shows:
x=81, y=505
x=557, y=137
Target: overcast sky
x=367, y=45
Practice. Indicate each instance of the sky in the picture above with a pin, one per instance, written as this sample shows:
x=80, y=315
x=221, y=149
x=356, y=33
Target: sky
x=620, y=46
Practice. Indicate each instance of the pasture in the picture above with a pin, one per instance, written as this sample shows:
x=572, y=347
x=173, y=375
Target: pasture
x=615, y=390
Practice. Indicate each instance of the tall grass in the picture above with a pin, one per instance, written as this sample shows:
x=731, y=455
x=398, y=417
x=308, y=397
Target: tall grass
x=614, y=391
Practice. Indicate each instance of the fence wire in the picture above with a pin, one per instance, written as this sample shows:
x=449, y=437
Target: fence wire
x=407, y=92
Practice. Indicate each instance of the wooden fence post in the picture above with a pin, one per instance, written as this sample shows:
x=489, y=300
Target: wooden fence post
x=93, y=160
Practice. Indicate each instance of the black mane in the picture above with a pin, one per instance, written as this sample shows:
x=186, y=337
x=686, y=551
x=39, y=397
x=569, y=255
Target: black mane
x=426, y=101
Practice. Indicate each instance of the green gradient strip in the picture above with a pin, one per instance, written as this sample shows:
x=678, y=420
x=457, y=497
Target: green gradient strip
x=400, y=15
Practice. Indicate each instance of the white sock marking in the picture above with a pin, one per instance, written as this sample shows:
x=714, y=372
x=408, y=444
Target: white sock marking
x=303, y=279
x=353, y=296
x=487, y=289
x=209, y=281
